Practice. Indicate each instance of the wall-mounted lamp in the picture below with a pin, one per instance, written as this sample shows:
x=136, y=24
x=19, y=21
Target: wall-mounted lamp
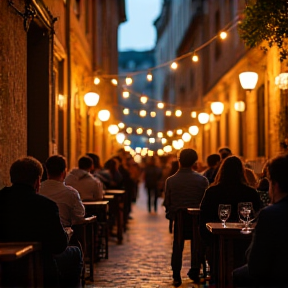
x=217, y=108
x=203, y=118
x=104, y=115
x=91, y=99
x=193, y=130
x=248, y=80
x=113, y=129
x=239, y=106
x=282, y=81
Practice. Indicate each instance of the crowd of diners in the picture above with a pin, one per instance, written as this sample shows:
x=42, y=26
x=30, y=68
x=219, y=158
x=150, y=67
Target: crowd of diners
x=44, y=201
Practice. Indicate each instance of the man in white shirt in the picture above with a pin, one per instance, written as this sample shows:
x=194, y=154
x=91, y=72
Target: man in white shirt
x=71, y=208
x=88, y=186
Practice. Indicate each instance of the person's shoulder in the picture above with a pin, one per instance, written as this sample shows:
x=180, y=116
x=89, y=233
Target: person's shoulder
x=44, y=201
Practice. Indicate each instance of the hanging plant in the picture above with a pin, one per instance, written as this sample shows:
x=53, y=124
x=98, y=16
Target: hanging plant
x=266, y=20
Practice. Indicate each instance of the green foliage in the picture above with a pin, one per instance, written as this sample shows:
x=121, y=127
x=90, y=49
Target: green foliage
x=266, y=20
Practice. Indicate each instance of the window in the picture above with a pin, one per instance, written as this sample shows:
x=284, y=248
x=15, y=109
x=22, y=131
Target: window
x=261, y=120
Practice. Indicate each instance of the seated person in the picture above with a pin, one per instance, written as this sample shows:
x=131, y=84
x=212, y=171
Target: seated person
x=89, y=187
x=26, y=216
x=71, y=208
x=268, y=252
x=213, y=162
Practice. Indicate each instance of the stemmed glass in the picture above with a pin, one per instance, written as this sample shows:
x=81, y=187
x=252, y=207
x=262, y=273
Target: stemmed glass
x=245, y=212
x=224, y=211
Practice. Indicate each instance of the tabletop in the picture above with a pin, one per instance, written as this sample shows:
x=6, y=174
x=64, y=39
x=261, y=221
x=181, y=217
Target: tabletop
x=231, y=227
x=15, y=250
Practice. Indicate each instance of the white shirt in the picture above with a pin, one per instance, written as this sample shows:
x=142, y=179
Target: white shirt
x=71, y=208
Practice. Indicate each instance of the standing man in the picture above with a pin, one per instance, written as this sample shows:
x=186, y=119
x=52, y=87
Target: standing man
x=184, y=189
x=268, y=252
x=71, y=208
x=26, y=216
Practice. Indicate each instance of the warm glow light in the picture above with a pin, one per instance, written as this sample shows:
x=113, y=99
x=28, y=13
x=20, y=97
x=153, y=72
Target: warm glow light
x=193, y=114
x=143, y=153
x=61, y=100
x=248, y=80
x=143, y=99
x=174, y=65
x=149, y=132
x=167, y=148
x=223, y=35
x=96, y=80
x=139, y=130
x=114, y=82
x=163, y=140
x=127, y=148
x=137, y=158
x=142, y=113
x=128, y=81
x=180, y=143
x=282, y=81
x=239, y=106
x=153, y=114
x=203, y=118
x=195, y=58
x=149, y=76
x=178, y=113
x=138, y=149
x=150, y=153
x=160, y=135
x=113, y=129
x=91, y=99
x=176, y=145
x=160, y=152
x=121, y=126
x=212, y=117
x=179, y=131
x=160, y=105
x=193, y=130
x=186, y=137
x=104, y=115
x=125, y=94
x=217, y=108
x=168, y=113
x=120, y=137
x=129, y=130
x=126, y=111
x=170, y=133
x=127, y=142
x=152, y=140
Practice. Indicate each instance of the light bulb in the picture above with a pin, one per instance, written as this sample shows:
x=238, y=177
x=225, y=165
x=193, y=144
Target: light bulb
x=223, y=35
x=168, y=113
x=143, y=99
x=125, y=94
x=160, y=105
x=126, y=111
x=174, y=65
x=178, y=113
x=149, y=76
x=195, y=58
x=114, y=82
x=128, y=81
x=96, y=80
x=153, y=114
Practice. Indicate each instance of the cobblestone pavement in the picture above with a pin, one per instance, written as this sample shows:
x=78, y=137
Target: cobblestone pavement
x=143, y=260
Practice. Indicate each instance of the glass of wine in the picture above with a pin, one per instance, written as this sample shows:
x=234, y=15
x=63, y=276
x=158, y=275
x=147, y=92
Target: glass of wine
x=245, y=212
x=224, y=211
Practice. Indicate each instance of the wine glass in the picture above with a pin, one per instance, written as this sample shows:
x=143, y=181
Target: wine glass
x=224, y=211
x=246, y=215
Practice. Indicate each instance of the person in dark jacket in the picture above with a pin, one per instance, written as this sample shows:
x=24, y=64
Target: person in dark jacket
x=26, y=216
x=268, y=252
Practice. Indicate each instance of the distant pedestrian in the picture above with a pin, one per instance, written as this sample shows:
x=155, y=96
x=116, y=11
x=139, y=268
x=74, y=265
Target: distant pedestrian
x=213, y=162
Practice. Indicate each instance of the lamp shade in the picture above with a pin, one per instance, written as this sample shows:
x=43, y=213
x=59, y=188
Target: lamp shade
x=91, y=99
x=104, y=115
x=203, y=118
x=248, y=80
x=239, y=106
x=217, y=108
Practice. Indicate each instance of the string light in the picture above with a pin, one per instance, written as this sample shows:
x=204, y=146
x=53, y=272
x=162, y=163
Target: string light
x=193, y=130
x=150, y=153
x=142, y=113
x=163, y=140
x=143, y=99
x=223, y=35
x=195, y=57
x=160, y=105
x=128, y=81
x=193, y=114
x=139, y=130
x=160, y=134
x=152, y=140
x=113, y=129
x=127, y=142
x=174, y=66
x=160, y=152
x=178, y=113
x=149, y=76
x=153, y=114
x=149, y=132
x=121, y=126
x=179, y=132
x=170, y=133
x=167, y=149
x=127, y=148
x=186, y=137
x=125, y=93
x=203, y=118
x=96, y=80
x=126, y=111
x=138, y=150
x=114, y=82
x=129, y=130
x=168, y=113
x=143, y=153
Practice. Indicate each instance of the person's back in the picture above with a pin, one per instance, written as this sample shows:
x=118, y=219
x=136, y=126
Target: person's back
x=67, y=198
x=89, y=187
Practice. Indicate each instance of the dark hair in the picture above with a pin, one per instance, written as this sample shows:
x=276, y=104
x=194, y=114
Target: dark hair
x=174, y=167
x=213, y=159
x=55, y=165
x=96, y=160
x=224, y=152
x=231, y=171
x=187, y=157
x=277, y=171
x=26, y=170
x=85, y=162
x=111, y=165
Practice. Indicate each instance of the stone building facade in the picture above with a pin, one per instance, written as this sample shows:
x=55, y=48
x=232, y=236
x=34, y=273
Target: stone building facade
x=49, y=58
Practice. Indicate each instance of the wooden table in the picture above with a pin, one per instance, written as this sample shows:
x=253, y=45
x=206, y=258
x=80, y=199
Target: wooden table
x=84, y=231
x=21, y=264
x=226, y=247
x=195, y=261
x=119, y=196
x=100, y=209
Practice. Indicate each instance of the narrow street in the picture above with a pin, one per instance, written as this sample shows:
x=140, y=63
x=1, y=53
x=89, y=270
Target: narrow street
x=143, y=260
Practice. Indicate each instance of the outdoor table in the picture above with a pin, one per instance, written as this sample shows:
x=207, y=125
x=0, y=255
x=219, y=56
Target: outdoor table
x=84, y=231
x=226, y=248
x=21, y=264
x=195, y=261
x=119, y=196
